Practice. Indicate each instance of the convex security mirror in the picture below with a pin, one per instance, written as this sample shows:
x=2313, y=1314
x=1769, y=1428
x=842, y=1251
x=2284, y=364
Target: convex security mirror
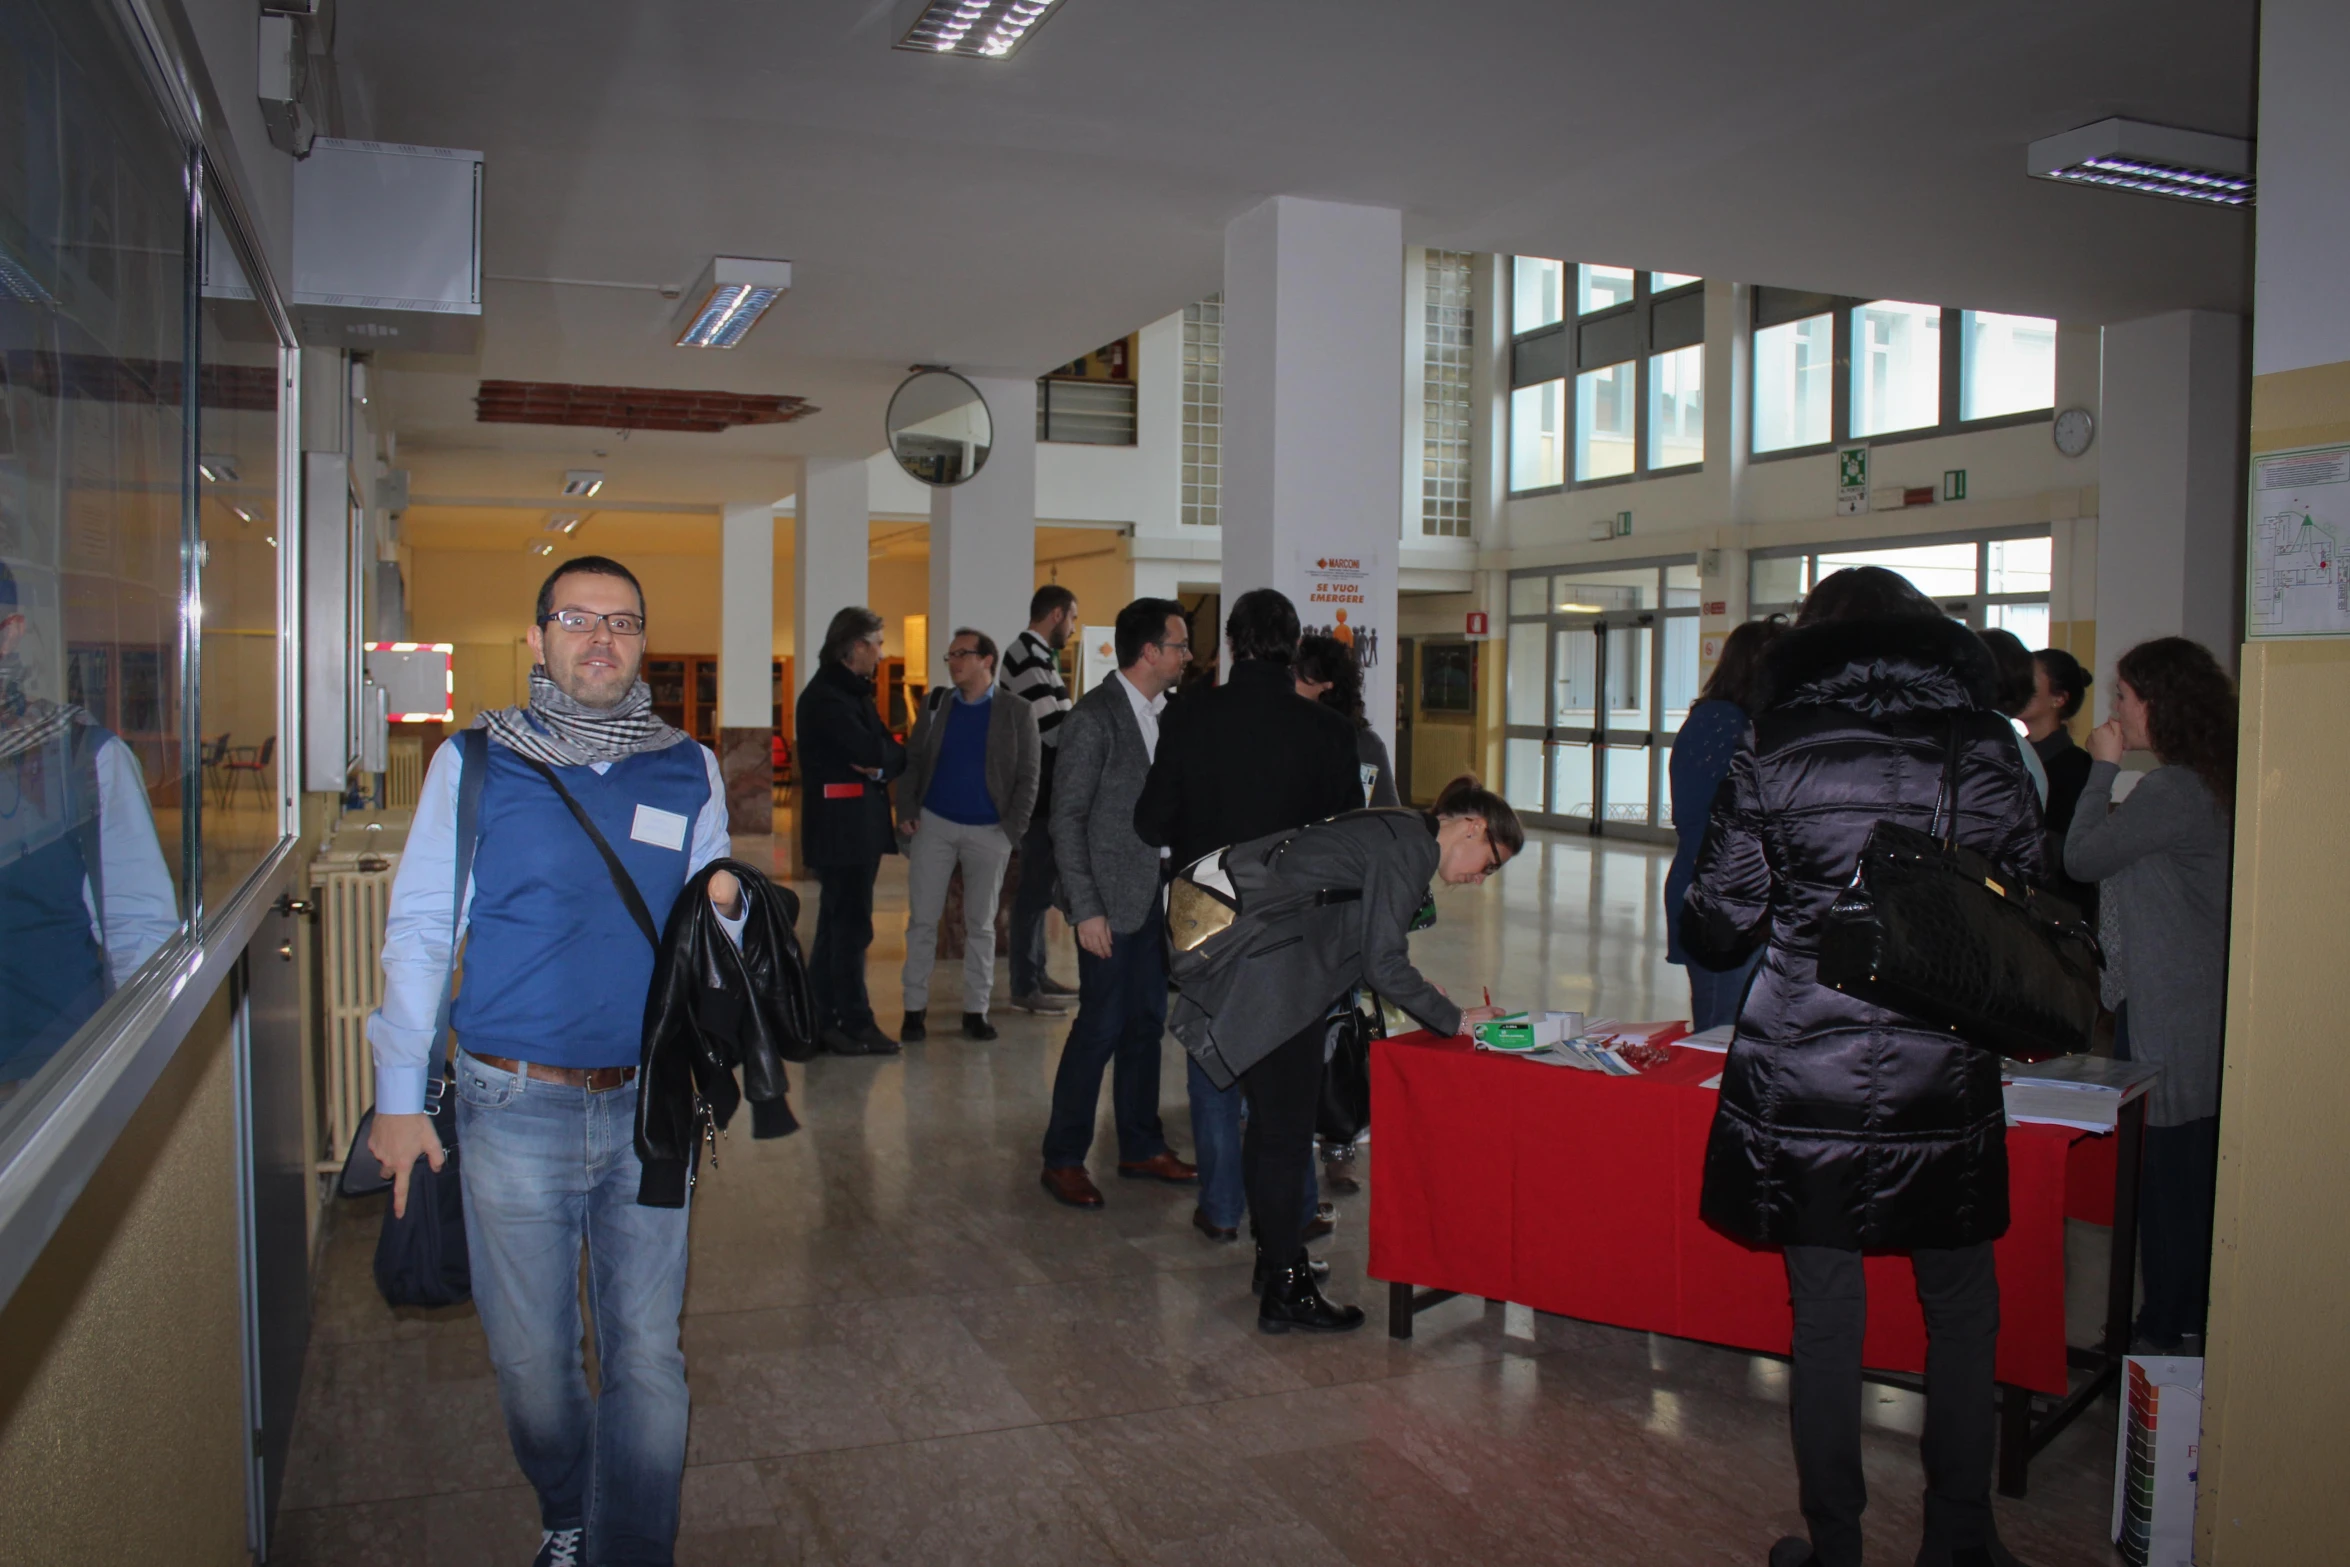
x=939, y=430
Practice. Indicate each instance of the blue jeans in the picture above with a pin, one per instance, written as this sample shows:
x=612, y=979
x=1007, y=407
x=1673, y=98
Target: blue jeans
x=548, y=1169
x=1121, y=1014
x=1714, y=997
x=1218, y=1118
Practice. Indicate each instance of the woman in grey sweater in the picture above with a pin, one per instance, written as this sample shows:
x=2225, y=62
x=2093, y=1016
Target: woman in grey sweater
x=2161, y=860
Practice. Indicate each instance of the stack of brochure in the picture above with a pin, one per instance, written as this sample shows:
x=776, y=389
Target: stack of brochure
x=1715, y=1039
x=1563, y=1039
x=2083, y=1092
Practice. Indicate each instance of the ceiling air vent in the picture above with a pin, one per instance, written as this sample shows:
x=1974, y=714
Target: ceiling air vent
x=631, y=407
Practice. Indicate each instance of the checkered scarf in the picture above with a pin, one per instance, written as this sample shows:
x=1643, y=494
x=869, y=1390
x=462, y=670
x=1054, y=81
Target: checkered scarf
x=562, y=732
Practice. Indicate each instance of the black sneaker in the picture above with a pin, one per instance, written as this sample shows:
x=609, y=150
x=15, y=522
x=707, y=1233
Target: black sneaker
x=913, y=1030
x=976, y=1026
x=558, y=1548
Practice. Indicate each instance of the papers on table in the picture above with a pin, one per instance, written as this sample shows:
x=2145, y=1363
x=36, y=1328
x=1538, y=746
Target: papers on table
x=1715, y=1039
x=1714, y=1082
x=1564, y=1039
x=2083, y=1092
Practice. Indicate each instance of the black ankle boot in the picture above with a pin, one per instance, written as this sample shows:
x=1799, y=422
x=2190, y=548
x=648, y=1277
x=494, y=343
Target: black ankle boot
x=1256, y=1281
x=913, y=1031
x=1293, y=1304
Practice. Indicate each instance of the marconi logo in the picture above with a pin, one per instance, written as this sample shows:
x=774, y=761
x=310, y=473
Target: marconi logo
x=1337, y=563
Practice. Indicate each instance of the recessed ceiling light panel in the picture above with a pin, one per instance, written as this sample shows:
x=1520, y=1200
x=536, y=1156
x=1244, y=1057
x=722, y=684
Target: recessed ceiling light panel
x=2154, y=160
x=565, y=522
x=219, y=467
x=728, y=299
x=982, y=29
x=583, y=481
x=540, y=547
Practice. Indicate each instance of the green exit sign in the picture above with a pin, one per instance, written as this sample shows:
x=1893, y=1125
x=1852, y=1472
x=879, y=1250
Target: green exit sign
x=1954, y=484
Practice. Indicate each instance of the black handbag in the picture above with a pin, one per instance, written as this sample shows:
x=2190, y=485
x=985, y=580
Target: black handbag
x=1346, y=1076
x=1939, y=934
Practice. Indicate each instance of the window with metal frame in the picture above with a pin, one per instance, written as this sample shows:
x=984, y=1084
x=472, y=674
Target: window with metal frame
x=1633, y=351
x=1448, y=328
x=1830, y=369
x=1987, y=580
x=1203, y=411
x=1601, y=667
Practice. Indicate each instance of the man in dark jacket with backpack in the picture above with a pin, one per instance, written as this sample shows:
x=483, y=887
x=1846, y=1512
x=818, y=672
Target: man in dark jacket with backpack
x=847, y=758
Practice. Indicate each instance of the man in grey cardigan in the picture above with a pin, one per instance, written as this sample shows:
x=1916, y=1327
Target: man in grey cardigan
x=1110, y=891
x=970, y=783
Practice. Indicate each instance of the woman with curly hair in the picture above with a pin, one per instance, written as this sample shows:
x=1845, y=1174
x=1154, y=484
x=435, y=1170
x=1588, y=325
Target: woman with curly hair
x=2160, y=860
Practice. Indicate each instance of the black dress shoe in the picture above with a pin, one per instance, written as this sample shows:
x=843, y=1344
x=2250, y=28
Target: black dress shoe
x=876, y=1042
x=838, y=1041
x=914, y=1029
x=976, y=1026
x=1293, y=1303
x=1214, y=1232
x=1792, y=1550
x=1314, y=1265
x=1049, y=986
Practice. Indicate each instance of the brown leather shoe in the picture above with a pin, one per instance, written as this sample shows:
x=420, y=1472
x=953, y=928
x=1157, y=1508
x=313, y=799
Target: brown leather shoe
x=1161, y=1166
x=1073, y=1186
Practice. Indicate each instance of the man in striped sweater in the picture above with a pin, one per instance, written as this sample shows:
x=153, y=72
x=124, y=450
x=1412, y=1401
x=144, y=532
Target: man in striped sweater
x=1032, y=672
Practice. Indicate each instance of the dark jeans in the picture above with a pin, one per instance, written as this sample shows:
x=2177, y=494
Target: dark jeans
x=1284, y=1093
x=1121, y=1014
x=844, y=929
x=2174, y=1218
x=1959, y=1291
x=1714, y=996
x=1030, y=901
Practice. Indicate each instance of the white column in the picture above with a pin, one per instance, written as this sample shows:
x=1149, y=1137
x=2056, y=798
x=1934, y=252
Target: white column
x=1313, y=419
x=746, y=612
x=746, y=648
x=983, y=531
x=832, y=541
x=2170, y=486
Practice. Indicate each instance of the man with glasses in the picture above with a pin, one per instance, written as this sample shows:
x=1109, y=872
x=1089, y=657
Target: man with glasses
x=847, y=758
x=1110, y=882
x=970, y=785
x=551, y=1018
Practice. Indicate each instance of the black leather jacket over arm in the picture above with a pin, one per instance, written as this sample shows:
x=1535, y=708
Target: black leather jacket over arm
x=716, y=1009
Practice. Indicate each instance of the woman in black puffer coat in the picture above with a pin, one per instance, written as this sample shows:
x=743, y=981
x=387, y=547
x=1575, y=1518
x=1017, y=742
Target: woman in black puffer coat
x=1844, y=1127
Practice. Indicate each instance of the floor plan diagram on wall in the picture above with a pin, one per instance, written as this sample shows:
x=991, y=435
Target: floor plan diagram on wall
x=2298, y=583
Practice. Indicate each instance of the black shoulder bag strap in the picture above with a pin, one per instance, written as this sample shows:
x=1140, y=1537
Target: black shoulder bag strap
x=621, y=880
x=1945, y=823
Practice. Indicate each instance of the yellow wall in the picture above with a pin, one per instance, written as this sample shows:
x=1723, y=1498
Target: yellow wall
x=2277, y=1372
x=122, y=1416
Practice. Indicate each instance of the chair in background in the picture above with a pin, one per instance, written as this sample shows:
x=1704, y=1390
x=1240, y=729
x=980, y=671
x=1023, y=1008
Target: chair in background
x=213, y=754
x=253, y=762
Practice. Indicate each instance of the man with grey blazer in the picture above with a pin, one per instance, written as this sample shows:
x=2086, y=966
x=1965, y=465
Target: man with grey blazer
x=1110, y=891
x=970, y=783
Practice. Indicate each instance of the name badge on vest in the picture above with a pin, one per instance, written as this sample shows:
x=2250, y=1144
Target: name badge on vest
x=662, y=829
x=847, y=791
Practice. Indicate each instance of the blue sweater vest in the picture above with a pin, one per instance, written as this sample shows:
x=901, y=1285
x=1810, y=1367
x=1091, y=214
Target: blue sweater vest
x=555, y=970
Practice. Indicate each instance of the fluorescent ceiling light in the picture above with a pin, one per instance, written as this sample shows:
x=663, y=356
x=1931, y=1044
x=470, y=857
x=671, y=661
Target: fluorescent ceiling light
x=565, y=522
x=583, y=481
x=242, y=514
x=2154, y=160
x=218, y=467
x=542, y=547
x=1579, y=609
x=728, y=299
x=981, y=29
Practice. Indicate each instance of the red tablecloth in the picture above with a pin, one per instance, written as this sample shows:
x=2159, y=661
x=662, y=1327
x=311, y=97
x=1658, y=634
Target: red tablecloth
x=1576, y=1193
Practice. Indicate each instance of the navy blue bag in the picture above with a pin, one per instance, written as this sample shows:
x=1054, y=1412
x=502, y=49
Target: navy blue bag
x=420, y=1257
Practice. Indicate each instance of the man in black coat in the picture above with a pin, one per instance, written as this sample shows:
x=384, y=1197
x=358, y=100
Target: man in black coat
x=1235, y=762
x=847, y=758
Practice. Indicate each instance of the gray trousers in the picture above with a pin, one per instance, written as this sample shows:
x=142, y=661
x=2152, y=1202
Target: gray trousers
x=937, y=847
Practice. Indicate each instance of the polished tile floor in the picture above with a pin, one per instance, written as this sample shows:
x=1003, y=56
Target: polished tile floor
x=902, y=1352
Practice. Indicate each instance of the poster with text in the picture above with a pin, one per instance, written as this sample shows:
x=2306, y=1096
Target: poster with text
x=2295, y=583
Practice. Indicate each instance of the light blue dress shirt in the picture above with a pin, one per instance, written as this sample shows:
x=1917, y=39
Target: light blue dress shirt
x=420, y=931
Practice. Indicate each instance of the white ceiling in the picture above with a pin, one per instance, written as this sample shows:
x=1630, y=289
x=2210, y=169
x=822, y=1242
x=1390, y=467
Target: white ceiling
x=1007, y=216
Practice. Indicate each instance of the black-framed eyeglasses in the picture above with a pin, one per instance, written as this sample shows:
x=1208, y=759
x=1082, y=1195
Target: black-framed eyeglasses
x=584, y=620
x=1179, y=647
x=964, y=652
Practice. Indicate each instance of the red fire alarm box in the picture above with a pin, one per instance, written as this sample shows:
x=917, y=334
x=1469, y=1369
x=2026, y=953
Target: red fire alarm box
x=1480, y=625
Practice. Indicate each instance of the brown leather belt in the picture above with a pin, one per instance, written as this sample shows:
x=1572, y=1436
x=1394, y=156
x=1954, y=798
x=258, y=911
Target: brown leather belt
x=595, y=1079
